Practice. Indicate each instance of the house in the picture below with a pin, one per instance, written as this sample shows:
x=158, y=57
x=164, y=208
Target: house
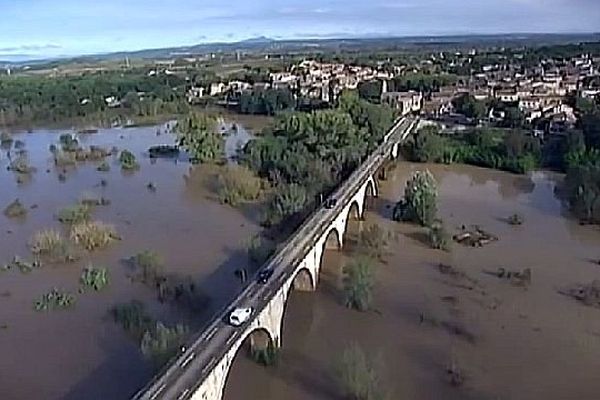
x=406, y=102
x=217, y=88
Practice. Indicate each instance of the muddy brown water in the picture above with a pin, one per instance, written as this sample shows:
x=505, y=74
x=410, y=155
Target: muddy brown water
x=81, y=353
x=509, y=342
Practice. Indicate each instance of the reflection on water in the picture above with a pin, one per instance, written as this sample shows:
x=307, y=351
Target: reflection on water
x=510, y=342
x=81, y=353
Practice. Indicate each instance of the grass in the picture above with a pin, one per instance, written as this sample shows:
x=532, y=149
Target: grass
x=92, y=235
x=50, y=244
x=15, y=210
x=53, y=300
x=94, y=278
x=90, y=199
x=237, y=184
x=133, y=318
x=74, y=214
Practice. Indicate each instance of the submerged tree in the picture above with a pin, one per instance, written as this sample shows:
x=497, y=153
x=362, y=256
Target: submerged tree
x=198, y=135
x=357, y=375
x=359, y=278
x=420, y=200
x=582, y=186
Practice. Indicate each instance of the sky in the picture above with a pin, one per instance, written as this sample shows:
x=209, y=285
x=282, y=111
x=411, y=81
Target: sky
x=49, y=28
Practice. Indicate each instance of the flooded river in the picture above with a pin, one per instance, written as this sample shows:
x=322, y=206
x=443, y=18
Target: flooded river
x=508, y=342
x=81, y=353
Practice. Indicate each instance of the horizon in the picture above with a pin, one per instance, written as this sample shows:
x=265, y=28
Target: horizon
x=70, y=28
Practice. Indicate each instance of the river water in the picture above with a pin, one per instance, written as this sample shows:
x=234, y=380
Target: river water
x=81, y=353
x=508, y=342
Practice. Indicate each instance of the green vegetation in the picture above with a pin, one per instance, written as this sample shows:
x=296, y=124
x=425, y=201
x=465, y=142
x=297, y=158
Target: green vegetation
x=305, y=155
x=47, y=98
x=74, y=214
x=198, y=135
x=357, y=375
x=470, y=107
x=22, y=265
x=237, y=184
x=133, y=318
x=128, y=161
x=161, y=342
x=151, y=265
x=6, y=140
x=267, y=357
x=157, y=341
x=20, y=165
x=15, y=210
x=515, y=219
x=287, y=201
x=373, y=241
x=419, y=204
x=582, y=186
x=359, y=278
x=266, y=102
x=52, y=246
x=92, y=235
x=512, y=150
x=94, y=278
x=103, y=167
x=54, y=300
x=438, y=236
x=260, y=250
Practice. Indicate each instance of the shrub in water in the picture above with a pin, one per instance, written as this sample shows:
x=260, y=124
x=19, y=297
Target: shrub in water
x=95, y=278
x=15, y=209
x=93, y=235
x=74, y=214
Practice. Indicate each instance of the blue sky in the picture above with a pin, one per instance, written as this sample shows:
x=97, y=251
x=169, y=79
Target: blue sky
x=41, y=28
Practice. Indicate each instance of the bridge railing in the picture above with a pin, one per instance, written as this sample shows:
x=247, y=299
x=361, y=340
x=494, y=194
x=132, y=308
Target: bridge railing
x=306, y=233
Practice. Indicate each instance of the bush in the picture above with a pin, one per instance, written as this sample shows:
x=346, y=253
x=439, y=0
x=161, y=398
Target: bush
x=75, y=214
x=103, y=167
x=198, y=135
x=133, y=318
x=15, y=209
x=374, y=240
x=128, y=161
x=439, y=238
x=162, y=342
x=94, y=278
x=515, y=219
x=259, y=250
x=357, y=376
x=238, y=184
x=20, y=165
x=93, y=235
x=151, y=264
x=359, y=278
x=54, y=299
x=64, y=159
x=420, y=200
x=289, y=200
x=50, y=244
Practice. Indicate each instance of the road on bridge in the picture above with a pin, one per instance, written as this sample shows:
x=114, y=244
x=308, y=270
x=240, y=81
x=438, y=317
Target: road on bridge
x=182, y=377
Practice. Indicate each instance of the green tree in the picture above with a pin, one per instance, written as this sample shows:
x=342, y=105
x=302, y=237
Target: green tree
x=359, y=278
x=420, y=200
x=198, y=135
x=470, y=107
x=582, y=185
x=289, y=200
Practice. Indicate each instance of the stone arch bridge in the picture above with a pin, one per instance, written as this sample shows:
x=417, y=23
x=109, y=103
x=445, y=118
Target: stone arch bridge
x=200, y=371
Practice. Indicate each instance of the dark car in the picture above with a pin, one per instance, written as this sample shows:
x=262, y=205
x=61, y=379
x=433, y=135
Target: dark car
x=330, y=203
x=265, y=274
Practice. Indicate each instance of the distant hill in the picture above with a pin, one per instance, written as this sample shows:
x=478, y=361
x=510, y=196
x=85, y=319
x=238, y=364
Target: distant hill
x=263, y=44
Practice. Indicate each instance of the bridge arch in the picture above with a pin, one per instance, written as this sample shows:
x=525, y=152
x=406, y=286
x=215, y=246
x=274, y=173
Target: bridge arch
x=258, y=338
x=304, y=281
x=333, y=239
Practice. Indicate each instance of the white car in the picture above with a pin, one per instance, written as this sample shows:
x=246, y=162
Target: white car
x=240, y=315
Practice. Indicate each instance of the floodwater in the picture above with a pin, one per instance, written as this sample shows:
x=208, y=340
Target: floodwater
x=508, y=342
x=81, y=353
